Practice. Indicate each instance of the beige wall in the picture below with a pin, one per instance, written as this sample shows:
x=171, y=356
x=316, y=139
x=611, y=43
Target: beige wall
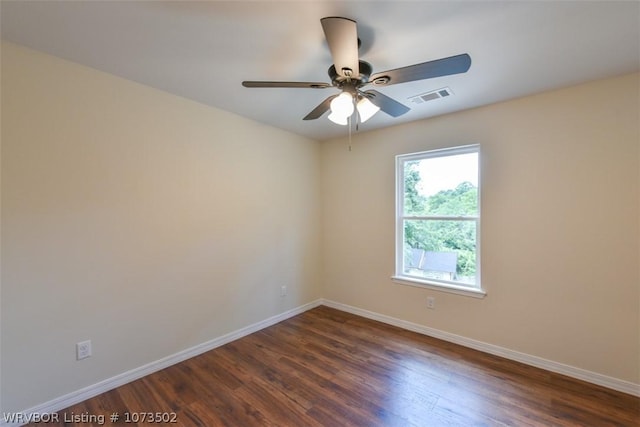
x=560, y=218
x=144, y=222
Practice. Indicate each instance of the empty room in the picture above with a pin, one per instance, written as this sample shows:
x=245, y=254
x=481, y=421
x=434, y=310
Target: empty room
x=320, y=213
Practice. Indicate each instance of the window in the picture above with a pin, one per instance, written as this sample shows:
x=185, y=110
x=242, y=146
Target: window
x=438, y=220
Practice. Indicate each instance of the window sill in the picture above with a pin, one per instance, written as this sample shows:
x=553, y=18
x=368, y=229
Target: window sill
x=443, y=287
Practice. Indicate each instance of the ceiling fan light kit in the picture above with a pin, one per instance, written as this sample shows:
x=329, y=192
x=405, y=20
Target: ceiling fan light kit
x=342, y=108
x=366, y=109
x=349, y=74
x=342, y=105
x=338, y=119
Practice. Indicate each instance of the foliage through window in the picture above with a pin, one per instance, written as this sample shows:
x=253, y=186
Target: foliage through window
x=438, y=217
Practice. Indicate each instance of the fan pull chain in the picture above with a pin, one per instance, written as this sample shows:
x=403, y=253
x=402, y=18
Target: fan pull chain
x=349, y=119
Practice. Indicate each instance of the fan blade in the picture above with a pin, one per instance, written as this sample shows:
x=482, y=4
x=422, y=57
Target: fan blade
x=427, y=70
x=320, y=109
x=342, y=38
x=304, y=85
x=386, y=104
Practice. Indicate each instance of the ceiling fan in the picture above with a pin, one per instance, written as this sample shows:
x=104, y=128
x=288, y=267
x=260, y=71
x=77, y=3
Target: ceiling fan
x=350, y=74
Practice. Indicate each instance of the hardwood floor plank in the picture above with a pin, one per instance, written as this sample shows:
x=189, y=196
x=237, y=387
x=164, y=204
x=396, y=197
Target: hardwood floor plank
x=330, y=368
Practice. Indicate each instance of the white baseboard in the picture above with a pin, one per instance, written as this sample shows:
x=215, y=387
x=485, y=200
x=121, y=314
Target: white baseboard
x=538, y=362
x=83, y=394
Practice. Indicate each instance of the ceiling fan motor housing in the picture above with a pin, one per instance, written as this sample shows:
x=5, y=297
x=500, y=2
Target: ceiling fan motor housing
x=355, y=81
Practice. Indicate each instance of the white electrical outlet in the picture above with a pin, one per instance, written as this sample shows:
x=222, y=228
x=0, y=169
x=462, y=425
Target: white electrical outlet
x=283, y=291
x=83, y=350
x=431, y=303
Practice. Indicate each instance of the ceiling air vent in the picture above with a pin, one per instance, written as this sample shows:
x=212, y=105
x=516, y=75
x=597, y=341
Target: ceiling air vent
x=429, y=96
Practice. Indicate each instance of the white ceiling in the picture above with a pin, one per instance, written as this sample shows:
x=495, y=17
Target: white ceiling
x=204, y=50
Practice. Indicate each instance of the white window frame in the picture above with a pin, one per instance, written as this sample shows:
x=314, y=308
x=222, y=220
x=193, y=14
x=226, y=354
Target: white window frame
x=474, y=290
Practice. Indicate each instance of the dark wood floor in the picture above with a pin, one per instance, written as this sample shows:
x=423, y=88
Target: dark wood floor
x=330, y=368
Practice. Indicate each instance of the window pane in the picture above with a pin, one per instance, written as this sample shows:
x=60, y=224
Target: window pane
x=445, y=185
x=440, y=249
